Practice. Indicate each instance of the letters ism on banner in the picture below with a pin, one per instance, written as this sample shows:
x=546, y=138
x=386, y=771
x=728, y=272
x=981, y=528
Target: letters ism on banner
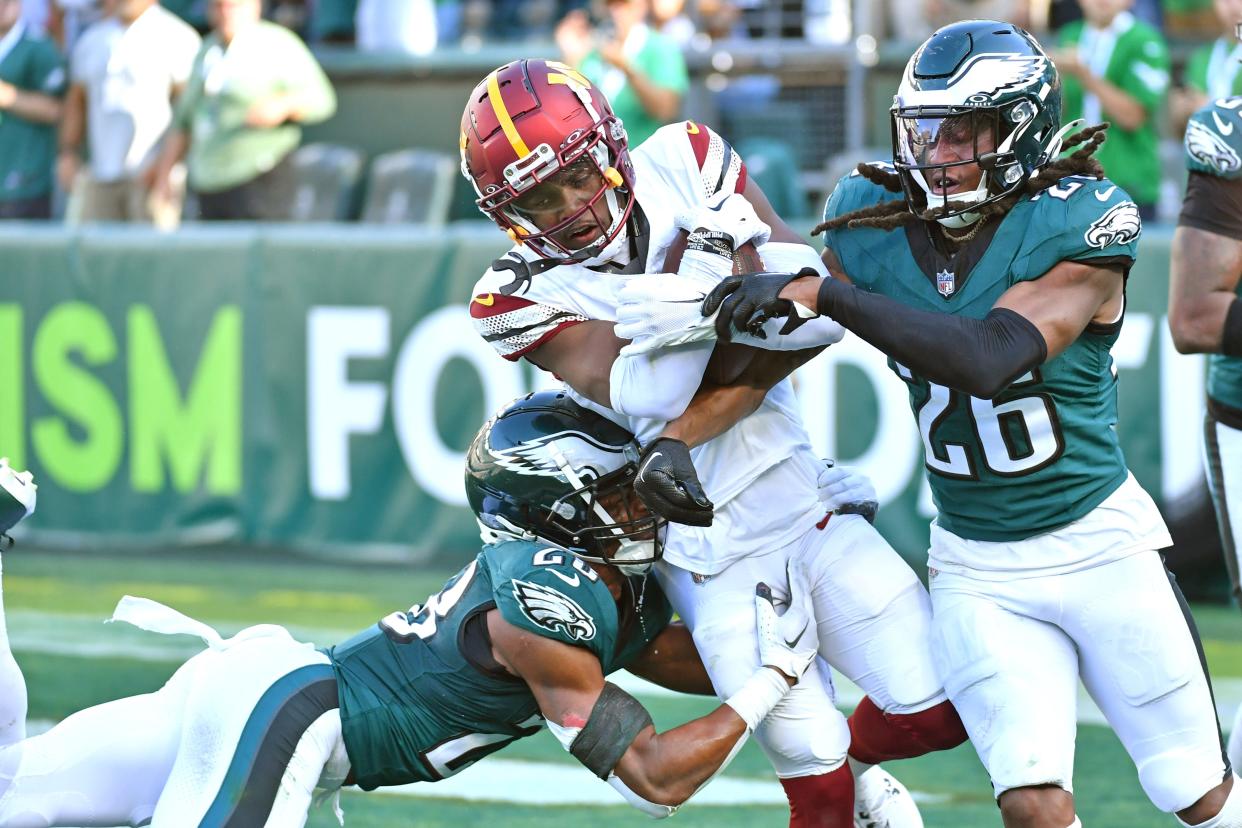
x=102, y=392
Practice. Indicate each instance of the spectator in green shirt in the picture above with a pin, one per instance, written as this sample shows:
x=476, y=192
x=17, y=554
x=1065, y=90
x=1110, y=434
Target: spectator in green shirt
x=252, y=86
x=1213, y=69
x=1116, y=68
x=639, y=70
x=32, y=84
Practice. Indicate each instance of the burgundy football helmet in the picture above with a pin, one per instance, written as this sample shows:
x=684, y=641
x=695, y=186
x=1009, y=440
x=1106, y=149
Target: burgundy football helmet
x=526, y=121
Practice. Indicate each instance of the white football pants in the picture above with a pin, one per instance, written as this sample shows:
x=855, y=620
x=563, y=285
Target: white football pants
x=874, y=622
x=239, y=736
x=1012, y=652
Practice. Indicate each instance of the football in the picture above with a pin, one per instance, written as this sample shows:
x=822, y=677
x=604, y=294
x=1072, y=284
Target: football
x=729, y=360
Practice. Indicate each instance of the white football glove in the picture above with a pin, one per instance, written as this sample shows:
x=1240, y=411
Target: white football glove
x=17, y=495
x=787, y=642
x=658, y=310
x=847, y=491
x=727, y=213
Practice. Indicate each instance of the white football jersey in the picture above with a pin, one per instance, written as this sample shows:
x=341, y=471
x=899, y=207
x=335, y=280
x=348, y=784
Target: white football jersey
x=677, y=168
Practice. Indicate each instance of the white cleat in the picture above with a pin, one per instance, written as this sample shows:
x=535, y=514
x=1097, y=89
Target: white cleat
x=880, y=801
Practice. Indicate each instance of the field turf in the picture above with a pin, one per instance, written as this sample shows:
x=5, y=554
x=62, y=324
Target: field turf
x=55, y=603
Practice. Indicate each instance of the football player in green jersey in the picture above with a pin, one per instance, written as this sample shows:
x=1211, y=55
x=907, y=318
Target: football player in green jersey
x=1205, y=314
x=244, y=733
x=995, y=283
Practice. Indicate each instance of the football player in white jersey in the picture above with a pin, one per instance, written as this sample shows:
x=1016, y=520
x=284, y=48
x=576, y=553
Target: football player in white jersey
x=551, y=167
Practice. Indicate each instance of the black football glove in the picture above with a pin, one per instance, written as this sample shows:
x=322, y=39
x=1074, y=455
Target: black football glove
x=669, y=486
x=748, y=300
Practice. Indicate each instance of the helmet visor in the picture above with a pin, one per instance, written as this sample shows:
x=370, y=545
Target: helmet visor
x=943, y=151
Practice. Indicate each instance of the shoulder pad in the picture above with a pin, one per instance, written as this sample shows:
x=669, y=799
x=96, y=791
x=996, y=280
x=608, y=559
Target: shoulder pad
x=511, y=323
x=718, y=168
x=547, y=592
x=1213, y=141
x=1077, y=219
x=853, y=192
x=519, y=269
x=515, y=326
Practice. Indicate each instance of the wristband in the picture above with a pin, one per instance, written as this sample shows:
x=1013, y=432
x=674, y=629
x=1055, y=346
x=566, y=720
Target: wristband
x=755, y=699
x=1231, y=336
x=711, y=241
x=708, y=268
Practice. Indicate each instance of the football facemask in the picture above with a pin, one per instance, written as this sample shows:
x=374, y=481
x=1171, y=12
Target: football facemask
x=948, y=156
x=558, y=211
x=624, y=534
x=526, y=123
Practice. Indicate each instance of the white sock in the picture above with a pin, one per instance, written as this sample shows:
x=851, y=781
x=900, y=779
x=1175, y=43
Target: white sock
x=1230, y=815
x=12, y=684
x=858, y=768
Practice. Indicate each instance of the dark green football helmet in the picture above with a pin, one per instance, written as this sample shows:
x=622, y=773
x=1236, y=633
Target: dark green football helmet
x=976, y=92
x=547, y=469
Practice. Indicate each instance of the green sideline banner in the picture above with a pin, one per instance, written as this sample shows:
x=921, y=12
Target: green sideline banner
x=316, y=386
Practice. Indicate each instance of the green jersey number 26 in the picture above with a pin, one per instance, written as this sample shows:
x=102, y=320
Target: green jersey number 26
x=1015, y=437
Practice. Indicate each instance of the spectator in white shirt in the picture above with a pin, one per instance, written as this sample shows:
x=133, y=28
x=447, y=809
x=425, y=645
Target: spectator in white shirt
x=124, y=73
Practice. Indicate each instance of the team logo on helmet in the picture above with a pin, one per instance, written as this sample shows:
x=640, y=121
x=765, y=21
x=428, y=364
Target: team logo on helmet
x=553, y=610
x=1207, y=147
x=989, y=74
x=548, y=456
x=1120, y=225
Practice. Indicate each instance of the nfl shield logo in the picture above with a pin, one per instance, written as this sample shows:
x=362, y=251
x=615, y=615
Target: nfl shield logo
x=946, y=282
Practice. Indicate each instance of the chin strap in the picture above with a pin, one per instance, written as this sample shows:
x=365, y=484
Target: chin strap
x=961, y=220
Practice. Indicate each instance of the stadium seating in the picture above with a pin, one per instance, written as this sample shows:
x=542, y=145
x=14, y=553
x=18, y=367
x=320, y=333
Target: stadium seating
x=413, y=186
x=326, y=175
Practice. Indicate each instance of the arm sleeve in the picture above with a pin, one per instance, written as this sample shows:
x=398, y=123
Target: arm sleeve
x=658, y=384
x=978, y=356
x=1213, y=204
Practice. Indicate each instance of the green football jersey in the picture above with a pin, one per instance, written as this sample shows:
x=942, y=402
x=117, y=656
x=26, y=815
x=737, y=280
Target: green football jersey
x=1044, y=452
x=421, y=697
x=1214, y=147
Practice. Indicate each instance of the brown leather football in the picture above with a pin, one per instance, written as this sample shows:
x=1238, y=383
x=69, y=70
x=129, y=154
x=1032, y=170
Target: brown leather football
x=729, y=360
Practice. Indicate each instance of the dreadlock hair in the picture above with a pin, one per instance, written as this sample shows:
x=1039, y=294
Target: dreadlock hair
x=888, y=215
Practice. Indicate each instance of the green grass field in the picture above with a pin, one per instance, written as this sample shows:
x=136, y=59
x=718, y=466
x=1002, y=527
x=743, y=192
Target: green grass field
x=55, y=603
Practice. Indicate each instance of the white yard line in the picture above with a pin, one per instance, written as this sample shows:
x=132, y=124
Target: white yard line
x=547, y=783
x=493, y=780
x=88, y=637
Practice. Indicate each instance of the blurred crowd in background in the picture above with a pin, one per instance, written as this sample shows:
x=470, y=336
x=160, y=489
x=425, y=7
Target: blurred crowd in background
x=145, y=111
